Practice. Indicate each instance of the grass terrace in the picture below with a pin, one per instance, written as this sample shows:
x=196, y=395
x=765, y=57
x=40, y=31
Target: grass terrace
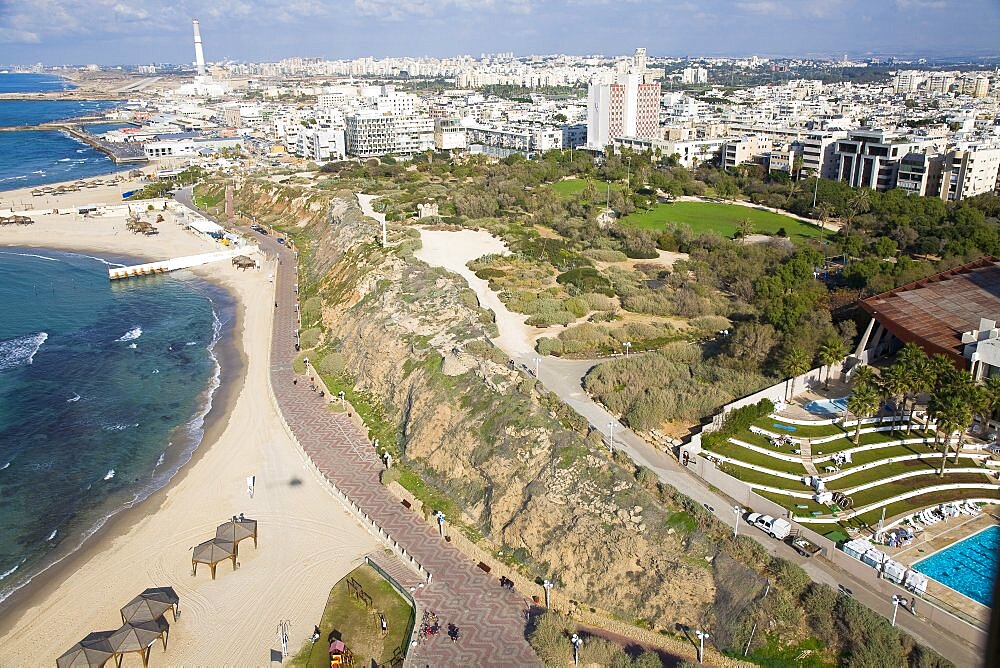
x=707, y=217
x=870, y=438
x=752, y=477
x=889, y=489
x=869, y=456
x=749, y=456
x=897, y=468
x=797, y=505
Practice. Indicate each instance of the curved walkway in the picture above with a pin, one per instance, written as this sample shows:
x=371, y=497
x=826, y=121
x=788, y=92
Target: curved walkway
x=491, y=619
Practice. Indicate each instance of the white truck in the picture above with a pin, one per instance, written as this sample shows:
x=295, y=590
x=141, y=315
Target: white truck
x=774, y=526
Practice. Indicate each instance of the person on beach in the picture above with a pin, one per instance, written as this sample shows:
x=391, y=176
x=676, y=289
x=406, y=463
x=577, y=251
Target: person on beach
x=251, y=482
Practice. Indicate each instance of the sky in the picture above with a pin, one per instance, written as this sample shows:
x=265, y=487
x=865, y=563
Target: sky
x=110, y=32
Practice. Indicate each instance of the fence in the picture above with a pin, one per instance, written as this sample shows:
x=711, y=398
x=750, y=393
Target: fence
x=410, y=636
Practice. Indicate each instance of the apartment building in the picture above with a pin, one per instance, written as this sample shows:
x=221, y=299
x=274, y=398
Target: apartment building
x=818, y=153
x=744, y=149
x=322, y=144
x=694, y=75
x=870, y=159
x=622, y=104
x=920, y=174
x=370, y=134
x=970, y=172
x=502, y=141
x=449, y=134
x=574, y=135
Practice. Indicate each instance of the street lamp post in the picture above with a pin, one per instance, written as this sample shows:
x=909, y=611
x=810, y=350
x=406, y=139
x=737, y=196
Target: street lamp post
x=611, y=437
x=736, y=525
x=537, y=361
x=548, y=585
x=896, y=600
x=577, y=641
x=627, y=346
x=701, y=644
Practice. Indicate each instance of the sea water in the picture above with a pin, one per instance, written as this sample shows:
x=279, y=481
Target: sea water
x=103, y=391
x=32, y=158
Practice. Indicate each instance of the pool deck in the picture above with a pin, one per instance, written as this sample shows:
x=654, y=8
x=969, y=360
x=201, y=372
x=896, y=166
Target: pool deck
x=796, y=408
x=939, y=536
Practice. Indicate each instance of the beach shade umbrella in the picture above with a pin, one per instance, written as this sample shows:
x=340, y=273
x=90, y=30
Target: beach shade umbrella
x=237, y=529
x=138, y=639
x=141, y=609
x=92, y=652
x=164, y=595
x=211, y=552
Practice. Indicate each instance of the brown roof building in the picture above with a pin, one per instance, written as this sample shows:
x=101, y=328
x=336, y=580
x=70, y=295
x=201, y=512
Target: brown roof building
x=952, y=313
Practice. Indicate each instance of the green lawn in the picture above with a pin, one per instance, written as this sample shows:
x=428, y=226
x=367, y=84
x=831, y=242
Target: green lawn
x=350, y=620
x=886, y=490
x=758, y=459
x=571, y=187
x=869, y=456
x=793, y=503
x=871, y=438
x=720, y=218
x=752, y=477
x=800, y=430
x=889, y=470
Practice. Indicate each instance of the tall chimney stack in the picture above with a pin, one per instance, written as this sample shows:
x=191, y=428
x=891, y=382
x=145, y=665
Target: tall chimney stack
x=199, y=56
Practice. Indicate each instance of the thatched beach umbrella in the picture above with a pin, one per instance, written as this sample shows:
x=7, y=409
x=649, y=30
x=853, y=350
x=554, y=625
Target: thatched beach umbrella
x=237, y=529
x=138, y=638
x=211, y=552
x=92, y=652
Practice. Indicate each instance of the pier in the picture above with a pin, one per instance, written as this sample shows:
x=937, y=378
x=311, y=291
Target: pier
x=164, y=266
x=120, y=153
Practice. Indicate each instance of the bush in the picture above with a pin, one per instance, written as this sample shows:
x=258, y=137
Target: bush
x=549, y=346
x=331, y=364
x=710, y=324
x=309, y=338
x=586, y=279
x=578, y=306
x=605, y=255
x=550, y=639
x=600, y=302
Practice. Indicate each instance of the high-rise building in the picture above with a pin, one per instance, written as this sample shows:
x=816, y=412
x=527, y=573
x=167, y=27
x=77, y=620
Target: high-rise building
x=970, y=172
x=622, y=104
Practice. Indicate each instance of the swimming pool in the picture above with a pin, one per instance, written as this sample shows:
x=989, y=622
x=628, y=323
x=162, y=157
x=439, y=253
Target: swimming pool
x=827, y=406
x=968, y=566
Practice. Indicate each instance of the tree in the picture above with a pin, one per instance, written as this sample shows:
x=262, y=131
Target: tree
x=989, y=401
x=952, y=412
x=863, y=402
x=893, y=385
x=862, y=201
x=914, y=365
x=794, y=363
x=744, y=228
x=831, y=351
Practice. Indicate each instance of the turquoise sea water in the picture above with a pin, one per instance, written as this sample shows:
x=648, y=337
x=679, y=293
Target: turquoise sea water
x=969, y=566
x=103, y=391
x=32, y=158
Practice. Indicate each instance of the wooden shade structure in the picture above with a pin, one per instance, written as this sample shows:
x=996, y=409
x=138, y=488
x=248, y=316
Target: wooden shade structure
x=244, y=262
x=141, y=609
x=164, y=595
x=237, y=529
x=138, y=638
x=211, y=552
x=92, y=652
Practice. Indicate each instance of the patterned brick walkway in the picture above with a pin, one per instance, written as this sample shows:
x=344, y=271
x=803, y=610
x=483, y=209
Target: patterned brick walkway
x=491, y=619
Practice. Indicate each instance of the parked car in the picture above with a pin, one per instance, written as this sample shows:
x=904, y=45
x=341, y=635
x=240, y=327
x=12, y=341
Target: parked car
x=280, y=240
x=774, y=526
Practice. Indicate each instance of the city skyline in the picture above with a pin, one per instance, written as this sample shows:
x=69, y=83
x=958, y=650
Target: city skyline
x=107, y=32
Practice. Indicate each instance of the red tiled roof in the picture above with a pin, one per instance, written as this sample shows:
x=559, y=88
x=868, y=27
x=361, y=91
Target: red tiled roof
x=935, y=311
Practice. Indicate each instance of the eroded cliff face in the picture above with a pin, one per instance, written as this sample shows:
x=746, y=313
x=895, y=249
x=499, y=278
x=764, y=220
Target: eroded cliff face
x=512, y=459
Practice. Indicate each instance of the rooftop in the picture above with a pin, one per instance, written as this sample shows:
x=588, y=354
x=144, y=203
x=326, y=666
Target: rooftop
x=934, y=311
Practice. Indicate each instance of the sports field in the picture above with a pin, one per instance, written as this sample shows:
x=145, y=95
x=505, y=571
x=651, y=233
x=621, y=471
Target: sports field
x=720, y=218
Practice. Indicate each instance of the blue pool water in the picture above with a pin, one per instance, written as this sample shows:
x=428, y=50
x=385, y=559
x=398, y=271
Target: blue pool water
x=827, y=406
x=783, y=426
x=968, y=566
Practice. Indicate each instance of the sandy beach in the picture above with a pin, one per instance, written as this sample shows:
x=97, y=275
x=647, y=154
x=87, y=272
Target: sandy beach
x=308, y=541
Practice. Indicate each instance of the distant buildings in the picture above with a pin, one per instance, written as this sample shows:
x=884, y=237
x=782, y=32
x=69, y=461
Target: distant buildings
x=623, y=104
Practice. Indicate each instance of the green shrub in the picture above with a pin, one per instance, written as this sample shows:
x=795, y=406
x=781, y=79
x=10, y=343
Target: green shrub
x=578, y=306
x=309, y=338
x=550, y=639
x=586, y=279
x=549, y=346
x=605, y=255
x=331, y=364
x=599, y=302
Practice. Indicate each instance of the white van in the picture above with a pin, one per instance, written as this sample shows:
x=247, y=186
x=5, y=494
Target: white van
x=775, y=526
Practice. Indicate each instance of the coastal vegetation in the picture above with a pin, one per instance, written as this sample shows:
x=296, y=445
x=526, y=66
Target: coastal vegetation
x=517, y=470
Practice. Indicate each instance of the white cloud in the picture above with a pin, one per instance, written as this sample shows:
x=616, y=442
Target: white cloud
x=782, y=8
x=921, y=4
x=397, y=10
x=8, y=36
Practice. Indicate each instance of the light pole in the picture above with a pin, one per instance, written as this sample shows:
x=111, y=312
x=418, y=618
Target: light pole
x=627, y=346
x=577, y=641
x=548, y=587
x=736, y=525
x=537, y=360
x=701, y=644
x=896, y=600
x=611, y=437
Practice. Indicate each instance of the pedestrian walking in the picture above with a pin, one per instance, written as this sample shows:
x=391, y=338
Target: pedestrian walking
x=913, y=605
x=251, y=483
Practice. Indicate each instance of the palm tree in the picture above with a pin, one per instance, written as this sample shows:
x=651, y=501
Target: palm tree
x=990, y=400
x=794, y=363
x=863, y=402
x=862, y=201
x=940, y=373
x=831, y=352
x=864, y=376
x=744, y=228
x=892, y=382
x=794, y=188
x=914, y=364
x=952, y=412
x=825, y=212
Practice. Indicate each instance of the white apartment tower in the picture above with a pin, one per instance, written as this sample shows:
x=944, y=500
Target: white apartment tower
x=622, y=104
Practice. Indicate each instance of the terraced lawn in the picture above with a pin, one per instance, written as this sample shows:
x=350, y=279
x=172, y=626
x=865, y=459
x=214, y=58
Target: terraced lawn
x=871, y=438
x=799, y=430
x=794, y=504
x=890, y=489
x=869, y=456
x=925, y=501
x=897, y=468
x=752, y=477
x=758, y=459
x=764, y=442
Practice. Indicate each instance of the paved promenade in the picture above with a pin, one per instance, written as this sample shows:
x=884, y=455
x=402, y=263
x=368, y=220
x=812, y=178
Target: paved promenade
x=491, y=620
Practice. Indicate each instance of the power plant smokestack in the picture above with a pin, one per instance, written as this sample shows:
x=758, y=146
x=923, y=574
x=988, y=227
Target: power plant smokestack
x=199, y=56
